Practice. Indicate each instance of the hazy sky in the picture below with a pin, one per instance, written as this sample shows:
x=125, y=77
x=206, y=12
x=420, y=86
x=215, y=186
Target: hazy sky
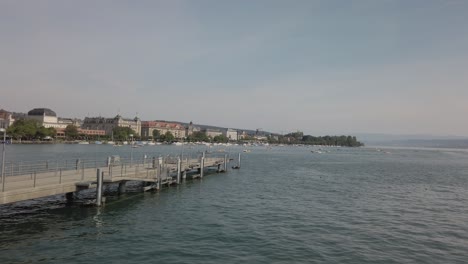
x=323, y=67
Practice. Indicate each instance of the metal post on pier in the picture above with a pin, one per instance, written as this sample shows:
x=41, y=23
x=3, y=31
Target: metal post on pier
x=99, y=176
x=82, y=171
x=77, y=164
x=3, y=159
x=160, y=163
x=202, y=165
x=178, y=169
x=225, y=162
x=239, y=162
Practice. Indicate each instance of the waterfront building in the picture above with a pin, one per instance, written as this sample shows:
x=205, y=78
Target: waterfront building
x=176, y=129
x=48, y=118
x=231, y=134
x=212, y=132
x=86, y=132
x=6, y=119
x=190, y=129
x=108, y=124
x=45, y=117
x=70, y=121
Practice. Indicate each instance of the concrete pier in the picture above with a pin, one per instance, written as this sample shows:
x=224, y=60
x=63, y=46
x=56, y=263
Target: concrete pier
x=60, y=179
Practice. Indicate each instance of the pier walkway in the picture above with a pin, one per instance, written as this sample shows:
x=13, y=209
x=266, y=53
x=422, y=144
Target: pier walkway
x=30, y=180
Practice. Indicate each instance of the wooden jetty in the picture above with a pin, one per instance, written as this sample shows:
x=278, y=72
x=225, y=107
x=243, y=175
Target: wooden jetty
x=35, y=180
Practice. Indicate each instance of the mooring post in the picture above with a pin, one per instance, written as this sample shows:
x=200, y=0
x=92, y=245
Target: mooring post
x=108, y=161
x=202, y=165
x=225, y=162
x=99, y=176
x=239, y=162
x=60, y=179
x=122, y=187
x=69, y=196
x=82, y=171
x=179, y=167
x=77, y=164
x=34, y=180
x=160, y=164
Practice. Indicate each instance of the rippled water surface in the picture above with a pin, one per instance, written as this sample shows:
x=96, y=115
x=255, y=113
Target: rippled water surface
x=285, y=205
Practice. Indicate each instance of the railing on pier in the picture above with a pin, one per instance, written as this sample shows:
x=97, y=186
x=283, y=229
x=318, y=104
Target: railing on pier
x=21, y=174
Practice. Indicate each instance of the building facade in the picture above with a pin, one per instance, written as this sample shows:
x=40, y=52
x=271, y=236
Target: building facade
x=45, y=117
x=190, y=129
x=48, y=118
x=176, y=129
x=212, y=132
x=108, y=124
x=6, y=119
x=231, y=134
x=86, y=132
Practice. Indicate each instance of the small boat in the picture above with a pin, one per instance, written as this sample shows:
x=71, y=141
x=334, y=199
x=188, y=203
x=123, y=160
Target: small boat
x=110, y=143
x=247, y=150
x=83, y=143
x=235, y=167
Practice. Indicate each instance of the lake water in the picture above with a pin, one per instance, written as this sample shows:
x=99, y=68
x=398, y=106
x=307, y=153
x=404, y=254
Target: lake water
x=285, y=205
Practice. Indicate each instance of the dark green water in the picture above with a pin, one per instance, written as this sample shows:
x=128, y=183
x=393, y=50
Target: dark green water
x=286, y=205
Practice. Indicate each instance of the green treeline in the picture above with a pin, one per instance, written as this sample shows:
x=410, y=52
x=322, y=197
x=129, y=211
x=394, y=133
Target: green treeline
x=29, y=129
x=300, y=138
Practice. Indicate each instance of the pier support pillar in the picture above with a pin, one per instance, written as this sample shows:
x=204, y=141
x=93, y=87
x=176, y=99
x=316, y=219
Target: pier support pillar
x=77, y=167
x=160, y=169
x=122, y=187
x=202, y=165
x=178, y=169
x=69, y=196
x=219, y=168
x=225, y=162
x=100, y=177
x=239, y=162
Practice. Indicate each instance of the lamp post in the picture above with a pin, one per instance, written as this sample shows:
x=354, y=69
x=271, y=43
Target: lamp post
x=3, y=158
x=131, y=154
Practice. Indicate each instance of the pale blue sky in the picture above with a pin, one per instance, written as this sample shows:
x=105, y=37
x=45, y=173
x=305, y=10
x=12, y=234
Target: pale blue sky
x=323, y=67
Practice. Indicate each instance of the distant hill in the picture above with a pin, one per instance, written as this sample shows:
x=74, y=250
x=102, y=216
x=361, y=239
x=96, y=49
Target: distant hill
x=249, y=131
x=427, y=141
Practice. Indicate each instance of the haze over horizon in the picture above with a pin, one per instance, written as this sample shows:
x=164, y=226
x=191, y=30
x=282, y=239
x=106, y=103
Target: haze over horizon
x=322, y=67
